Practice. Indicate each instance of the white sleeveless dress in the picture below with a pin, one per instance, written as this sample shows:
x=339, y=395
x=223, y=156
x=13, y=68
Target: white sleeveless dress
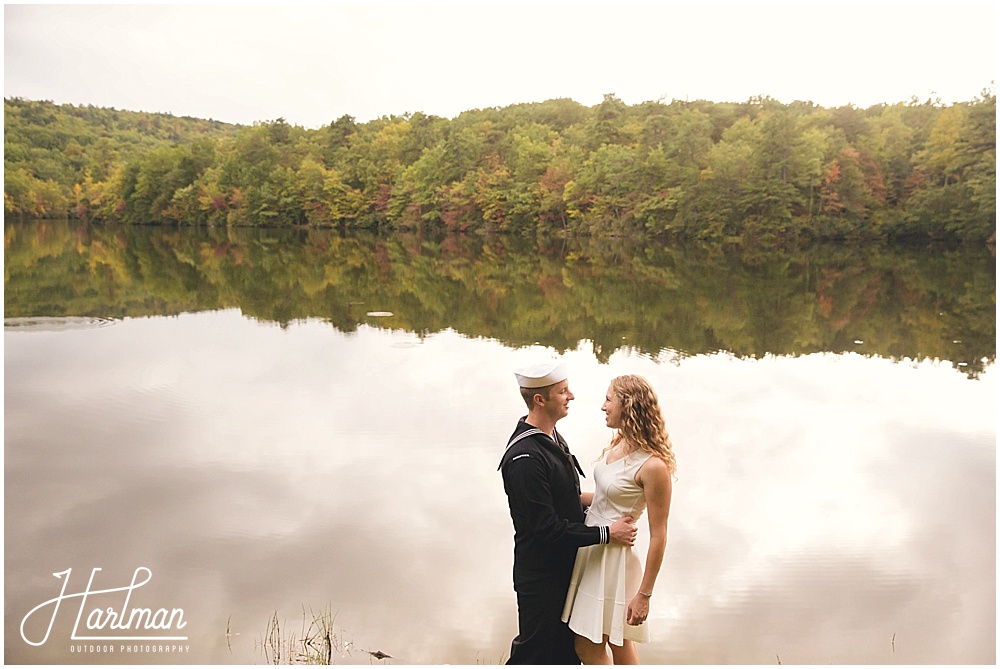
x=607, y=576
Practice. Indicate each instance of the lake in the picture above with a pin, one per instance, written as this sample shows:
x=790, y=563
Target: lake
x=250, y=426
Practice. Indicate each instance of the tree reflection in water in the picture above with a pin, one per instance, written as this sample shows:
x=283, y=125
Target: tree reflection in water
x=898, y=302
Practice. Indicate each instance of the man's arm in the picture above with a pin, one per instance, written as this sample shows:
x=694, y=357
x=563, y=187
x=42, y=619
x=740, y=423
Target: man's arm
x=530, y=493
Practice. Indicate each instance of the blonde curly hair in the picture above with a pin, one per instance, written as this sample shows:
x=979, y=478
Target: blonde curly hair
x=642, y=419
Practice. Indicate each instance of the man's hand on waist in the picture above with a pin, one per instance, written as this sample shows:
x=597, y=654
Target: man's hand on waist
x=623, y=531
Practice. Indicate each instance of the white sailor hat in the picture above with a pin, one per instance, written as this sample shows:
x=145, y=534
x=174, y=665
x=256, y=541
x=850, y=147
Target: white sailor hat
x=541, y=374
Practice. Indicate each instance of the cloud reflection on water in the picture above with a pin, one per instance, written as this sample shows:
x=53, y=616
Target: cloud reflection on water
x=823, y=503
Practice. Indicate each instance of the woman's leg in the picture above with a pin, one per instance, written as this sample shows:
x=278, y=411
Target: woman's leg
x=590, y=652
x=626, y=653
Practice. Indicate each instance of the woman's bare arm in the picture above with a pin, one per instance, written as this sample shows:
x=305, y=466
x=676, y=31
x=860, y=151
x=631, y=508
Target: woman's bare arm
x=654, y=477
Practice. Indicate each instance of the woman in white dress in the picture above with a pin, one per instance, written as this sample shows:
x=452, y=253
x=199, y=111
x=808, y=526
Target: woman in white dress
x=609, y=593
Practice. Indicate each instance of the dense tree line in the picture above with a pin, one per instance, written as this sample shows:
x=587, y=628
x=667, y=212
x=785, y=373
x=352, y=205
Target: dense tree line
x=52, y=153
x=753, y=170
x=900, y=301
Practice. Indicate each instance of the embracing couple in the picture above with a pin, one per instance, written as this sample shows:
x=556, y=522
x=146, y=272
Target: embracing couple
x=580, y=584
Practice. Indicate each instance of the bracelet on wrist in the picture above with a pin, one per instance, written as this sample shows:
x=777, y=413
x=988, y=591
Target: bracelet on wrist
x=646, y=594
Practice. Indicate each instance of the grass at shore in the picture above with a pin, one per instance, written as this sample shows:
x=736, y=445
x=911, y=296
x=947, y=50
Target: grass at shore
x=315, y=642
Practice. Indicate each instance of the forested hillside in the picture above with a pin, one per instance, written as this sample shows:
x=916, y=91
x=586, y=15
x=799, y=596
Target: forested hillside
x=52, y=152
x=753, y=170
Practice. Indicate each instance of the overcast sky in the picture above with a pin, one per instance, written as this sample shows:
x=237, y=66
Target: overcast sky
x=311, y=64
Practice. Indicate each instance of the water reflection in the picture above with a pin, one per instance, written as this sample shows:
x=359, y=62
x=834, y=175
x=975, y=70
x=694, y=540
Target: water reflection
x=900, y=303
x=830, y=506
x=56, y=323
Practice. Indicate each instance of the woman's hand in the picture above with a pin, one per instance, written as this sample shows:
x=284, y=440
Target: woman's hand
x=638, y=610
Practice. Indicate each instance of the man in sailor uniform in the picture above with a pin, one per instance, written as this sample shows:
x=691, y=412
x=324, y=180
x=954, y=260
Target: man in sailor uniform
x=542, y=481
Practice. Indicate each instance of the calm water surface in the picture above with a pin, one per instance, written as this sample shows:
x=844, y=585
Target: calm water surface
x=277, y=423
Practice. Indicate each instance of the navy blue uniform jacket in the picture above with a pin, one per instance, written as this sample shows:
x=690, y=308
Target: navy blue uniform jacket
x=542, y=481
